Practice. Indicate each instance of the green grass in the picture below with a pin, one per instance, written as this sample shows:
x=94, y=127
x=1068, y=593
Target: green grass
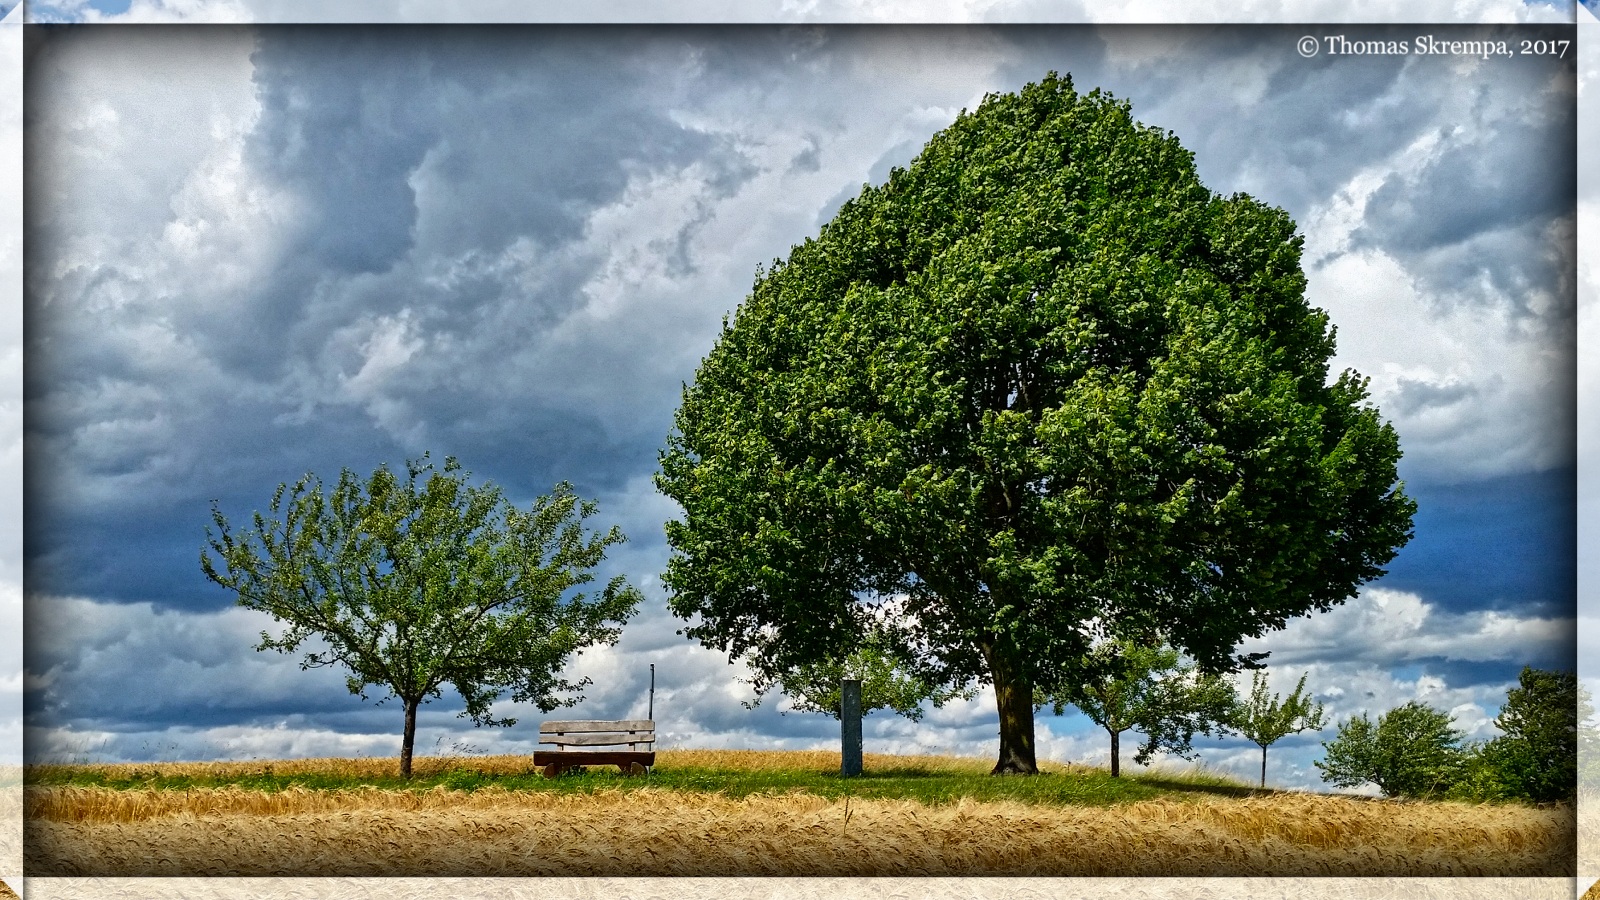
x=1075, y=788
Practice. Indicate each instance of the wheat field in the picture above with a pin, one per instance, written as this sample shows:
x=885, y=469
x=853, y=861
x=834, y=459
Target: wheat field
x=651, y=831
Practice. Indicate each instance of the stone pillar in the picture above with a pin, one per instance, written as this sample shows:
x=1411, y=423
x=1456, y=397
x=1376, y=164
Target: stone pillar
x=850, y=728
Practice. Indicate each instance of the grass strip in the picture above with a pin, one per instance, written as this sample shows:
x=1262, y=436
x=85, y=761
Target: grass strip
x=933, y=781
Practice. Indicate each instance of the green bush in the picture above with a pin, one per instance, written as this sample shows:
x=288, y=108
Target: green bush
x=1487, y=772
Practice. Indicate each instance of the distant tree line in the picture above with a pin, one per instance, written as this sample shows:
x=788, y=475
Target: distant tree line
x=1413, y=750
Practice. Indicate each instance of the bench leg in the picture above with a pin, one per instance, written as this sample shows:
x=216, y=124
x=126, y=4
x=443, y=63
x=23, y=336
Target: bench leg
x=633, y=769
x=553, y=770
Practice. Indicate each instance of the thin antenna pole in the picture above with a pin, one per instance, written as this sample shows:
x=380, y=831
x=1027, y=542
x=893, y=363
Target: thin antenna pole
x=652, y=715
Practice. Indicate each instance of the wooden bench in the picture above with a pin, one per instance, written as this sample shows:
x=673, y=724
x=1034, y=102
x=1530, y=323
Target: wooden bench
x=638, y=734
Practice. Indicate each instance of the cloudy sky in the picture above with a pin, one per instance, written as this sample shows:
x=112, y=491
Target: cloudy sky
x=257, y=252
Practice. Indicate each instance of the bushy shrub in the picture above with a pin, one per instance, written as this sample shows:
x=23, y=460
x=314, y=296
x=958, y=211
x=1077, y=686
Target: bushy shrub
x=1411, y=752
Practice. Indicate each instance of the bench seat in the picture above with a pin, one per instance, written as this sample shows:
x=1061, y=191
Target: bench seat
x=630, y=745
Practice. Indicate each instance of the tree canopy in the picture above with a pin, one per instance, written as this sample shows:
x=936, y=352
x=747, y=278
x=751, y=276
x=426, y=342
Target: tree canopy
x=411, y=583
x=1040, y=379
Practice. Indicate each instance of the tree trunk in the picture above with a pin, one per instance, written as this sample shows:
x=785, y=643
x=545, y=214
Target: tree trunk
x=1263, y=765
x=410, y=737
x=1013, y=695
x=1116, y=753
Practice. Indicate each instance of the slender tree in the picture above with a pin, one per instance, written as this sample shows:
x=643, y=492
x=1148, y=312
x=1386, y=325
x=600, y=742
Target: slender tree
x=415, y=582
x=1266, y=719
x=1125, y=684
x=1040, y=379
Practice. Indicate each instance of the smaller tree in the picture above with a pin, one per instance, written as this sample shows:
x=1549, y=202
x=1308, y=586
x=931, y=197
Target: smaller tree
x=1412, y=752
x=1264, y=720
x=886, y=683
x=1124, y=684
x=417, y=582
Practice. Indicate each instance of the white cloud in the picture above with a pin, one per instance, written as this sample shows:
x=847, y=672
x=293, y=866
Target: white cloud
x=1474, y=387
x=1359, y=658
x=1469, y=392
x=1386, y=629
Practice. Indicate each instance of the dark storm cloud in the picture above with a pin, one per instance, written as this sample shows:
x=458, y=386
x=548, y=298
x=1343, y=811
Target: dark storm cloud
x=1473, y=222
x=1289, y=130
x=1499, y=544
x=350, y=149
x=173, y=669
x=1495, y=673
x=533, y=128
x=471, y=140
x=1469, y=188
x=407, y=189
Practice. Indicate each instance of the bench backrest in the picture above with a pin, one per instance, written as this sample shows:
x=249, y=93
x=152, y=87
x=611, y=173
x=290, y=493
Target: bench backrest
x=600, y=733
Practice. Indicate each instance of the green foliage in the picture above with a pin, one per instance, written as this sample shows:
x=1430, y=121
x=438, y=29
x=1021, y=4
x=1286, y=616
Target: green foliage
x=413, y=583
x=886, y=683
x=1265, y=719
x=1041, y=378
x=1536, y=756
x=1489, y=772
x=1538, y=750
x=1412, y=752
x=1124, y=684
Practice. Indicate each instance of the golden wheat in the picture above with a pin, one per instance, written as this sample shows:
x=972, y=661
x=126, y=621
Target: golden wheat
x=1588, y=826
x=82, y=831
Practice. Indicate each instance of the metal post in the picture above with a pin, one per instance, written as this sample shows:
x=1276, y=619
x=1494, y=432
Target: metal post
x=850, y=728
x=652, y=714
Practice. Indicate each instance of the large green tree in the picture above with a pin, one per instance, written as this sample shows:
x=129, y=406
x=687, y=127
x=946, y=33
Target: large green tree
x=417, y=581
x=1040, y=379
